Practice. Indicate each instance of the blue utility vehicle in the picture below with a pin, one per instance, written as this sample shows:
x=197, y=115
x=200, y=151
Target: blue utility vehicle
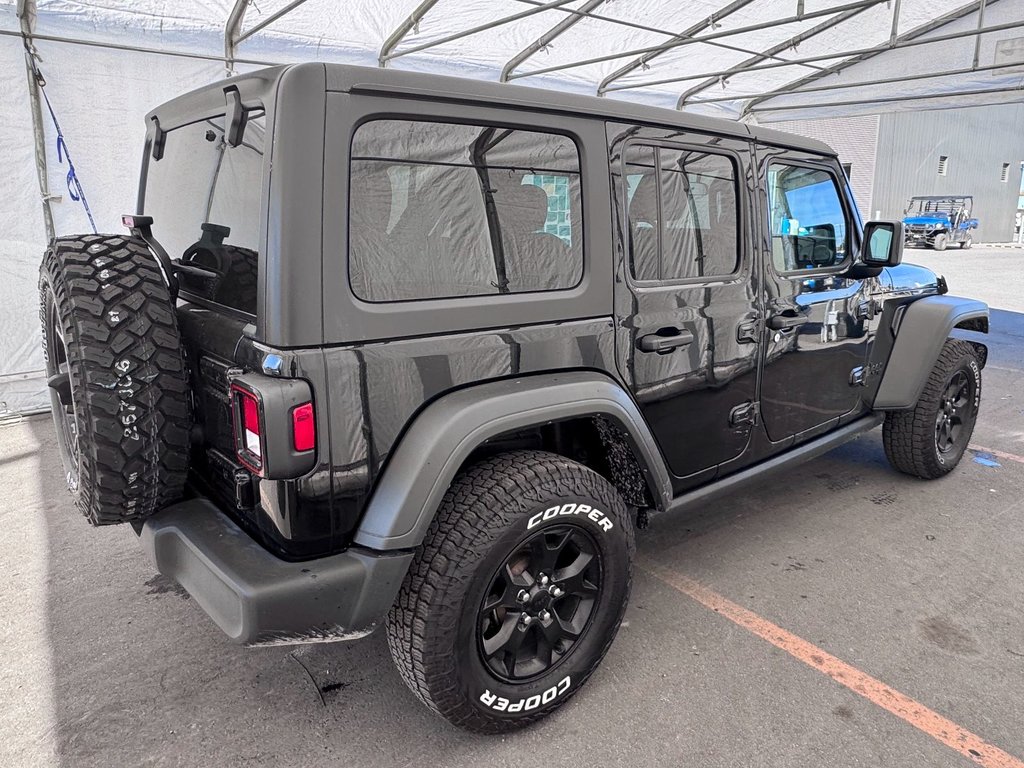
x=939, y=220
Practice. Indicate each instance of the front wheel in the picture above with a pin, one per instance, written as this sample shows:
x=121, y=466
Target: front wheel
x=929, y=439
x=516, y=593
x=939, y=243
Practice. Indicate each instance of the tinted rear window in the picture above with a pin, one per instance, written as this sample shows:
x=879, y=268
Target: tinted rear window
x=205, y=197
x=444, y=210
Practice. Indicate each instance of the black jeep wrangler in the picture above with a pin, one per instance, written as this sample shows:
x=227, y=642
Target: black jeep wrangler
x=393, y=349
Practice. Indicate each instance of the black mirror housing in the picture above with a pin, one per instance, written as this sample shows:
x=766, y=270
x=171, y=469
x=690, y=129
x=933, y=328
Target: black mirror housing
x=883, y=244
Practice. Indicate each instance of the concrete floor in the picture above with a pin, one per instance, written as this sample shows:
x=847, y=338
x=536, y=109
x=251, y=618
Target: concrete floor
x=920, y=585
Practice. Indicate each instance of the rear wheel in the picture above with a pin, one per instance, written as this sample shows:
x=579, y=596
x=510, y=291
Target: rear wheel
x=929, y=439
x=516, y=593
x=967, y=243
x=118, y=385
x=939, y=243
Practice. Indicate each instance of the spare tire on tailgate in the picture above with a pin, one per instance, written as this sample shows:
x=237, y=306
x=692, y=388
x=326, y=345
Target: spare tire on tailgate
x=117, y=376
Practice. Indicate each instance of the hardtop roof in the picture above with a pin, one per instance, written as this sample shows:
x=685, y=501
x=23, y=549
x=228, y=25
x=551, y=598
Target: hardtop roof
x=344, y=77
x=942, y=197
x=349, y=78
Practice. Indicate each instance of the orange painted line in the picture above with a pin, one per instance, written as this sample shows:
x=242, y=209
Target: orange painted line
x=918, y=715
x=994, y=452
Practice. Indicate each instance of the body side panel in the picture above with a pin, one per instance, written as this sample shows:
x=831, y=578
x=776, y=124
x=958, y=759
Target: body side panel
x=443, y=436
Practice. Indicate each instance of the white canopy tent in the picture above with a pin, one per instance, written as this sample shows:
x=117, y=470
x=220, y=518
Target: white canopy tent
x=106, y=63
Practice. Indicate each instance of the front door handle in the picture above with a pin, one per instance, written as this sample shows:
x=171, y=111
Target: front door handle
x=665, y=340
x=785, y=322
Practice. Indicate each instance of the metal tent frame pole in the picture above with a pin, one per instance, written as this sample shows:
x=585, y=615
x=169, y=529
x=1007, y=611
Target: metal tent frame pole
x=896, y=41
x=792, y=42
x=26, y=12
x=862, y=84
x=642, y=62
x=137, y=48
x=895, y=99
x=232, y=29
x=542, y=42
x=860, y=5
x=258, y=27
x=827, y=56
x=410, y=23
x=396, y=37
x=578, y=14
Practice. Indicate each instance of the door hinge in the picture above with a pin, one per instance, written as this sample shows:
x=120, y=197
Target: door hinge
x=747, y=332
x=745, y=413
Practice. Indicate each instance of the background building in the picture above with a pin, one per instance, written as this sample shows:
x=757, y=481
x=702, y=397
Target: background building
x=975, y=151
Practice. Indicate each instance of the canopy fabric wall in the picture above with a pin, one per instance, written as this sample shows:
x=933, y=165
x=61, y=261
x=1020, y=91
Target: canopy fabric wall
x=106, y=63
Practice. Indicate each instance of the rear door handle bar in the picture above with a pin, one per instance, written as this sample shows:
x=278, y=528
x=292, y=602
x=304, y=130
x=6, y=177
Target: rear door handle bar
x=665, y=340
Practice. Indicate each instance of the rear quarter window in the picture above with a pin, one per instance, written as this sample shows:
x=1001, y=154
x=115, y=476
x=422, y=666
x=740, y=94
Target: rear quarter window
x=443, y=210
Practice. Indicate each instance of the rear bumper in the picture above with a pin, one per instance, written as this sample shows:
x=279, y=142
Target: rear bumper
x=259, y=599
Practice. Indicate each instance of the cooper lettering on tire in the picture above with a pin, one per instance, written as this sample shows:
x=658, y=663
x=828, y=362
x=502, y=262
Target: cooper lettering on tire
x=516, y=593
x=118, y=384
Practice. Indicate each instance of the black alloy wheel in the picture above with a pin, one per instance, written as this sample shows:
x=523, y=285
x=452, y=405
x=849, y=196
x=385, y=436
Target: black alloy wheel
x=953, y=407
x=539, y=603
x=516, y=593
x=929, y=440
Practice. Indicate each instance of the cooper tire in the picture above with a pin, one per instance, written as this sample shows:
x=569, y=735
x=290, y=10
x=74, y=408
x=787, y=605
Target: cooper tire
x=939, y=244
x=928, y=440
x=487, y=547
x=118, y=383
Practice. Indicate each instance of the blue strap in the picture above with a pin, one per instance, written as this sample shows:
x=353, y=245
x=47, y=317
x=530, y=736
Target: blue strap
x=75, y=191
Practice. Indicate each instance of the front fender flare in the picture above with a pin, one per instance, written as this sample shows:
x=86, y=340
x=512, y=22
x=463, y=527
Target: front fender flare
x=923, y=329
x=445, y=433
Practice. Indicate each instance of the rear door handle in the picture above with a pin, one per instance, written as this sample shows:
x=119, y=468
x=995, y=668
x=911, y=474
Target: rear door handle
x=785, y=322
x=665, y=340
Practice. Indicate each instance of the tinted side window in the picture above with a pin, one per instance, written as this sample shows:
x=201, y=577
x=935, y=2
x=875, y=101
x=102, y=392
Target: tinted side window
x=683, y=213
x=807, y=220
x=443, y=210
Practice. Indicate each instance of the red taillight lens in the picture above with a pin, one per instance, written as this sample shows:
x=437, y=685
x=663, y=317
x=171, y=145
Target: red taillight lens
x=248, y=429
x=251, y=424
x=303, y=427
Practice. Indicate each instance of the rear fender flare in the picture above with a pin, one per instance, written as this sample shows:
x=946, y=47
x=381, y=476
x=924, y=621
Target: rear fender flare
x=446, y=432
x=923, y=329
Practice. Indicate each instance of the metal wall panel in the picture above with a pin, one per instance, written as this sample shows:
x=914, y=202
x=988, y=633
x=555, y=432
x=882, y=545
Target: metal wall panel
x=976, y=141
x=854, y=139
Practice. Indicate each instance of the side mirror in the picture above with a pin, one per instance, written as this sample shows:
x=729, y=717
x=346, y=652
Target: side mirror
x=883, y=244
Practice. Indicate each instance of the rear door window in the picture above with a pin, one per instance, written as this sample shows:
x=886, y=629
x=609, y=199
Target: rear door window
x=683, y=213
x=442, y=210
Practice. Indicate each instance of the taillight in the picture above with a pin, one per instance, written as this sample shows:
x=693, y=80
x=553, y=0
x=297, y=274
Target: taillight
x=274, y=424
x=303, y=428
x=248, y=430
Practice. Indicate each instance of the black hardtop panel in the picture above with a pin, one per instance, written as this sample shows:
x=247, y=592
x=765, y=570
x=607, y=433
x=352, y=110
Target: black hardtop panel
x=347, y=78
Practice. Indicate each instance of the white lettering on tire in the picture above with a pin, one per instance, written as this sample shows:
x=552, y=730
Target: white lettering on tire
x=501, y=704
x=592, y=513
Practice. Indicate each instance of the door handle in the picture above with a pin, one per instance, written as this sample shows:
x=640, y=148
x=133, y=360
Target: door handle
x=786, y=322
x=665, y=340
